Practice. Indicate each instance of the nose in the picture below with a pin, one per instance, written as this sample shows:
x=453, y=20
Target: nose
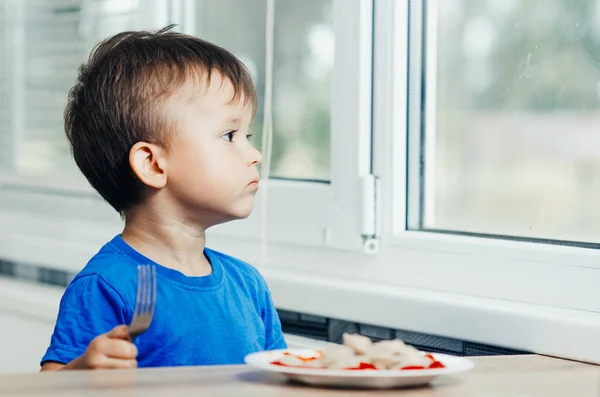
x=255, y=156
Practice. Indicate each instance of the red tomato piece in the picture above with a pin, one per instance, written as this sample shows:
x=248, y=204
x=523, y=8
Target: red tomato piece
x=437, y=364
x=409, y=367
x=363, y=365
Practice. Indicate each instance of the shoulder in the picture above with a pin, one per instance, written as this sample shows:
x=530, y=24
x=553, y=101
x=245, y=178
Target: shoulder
x=110, y=269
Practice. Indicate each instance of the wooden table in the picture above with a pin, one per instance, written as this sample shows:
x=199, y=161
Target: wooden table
x=522, y=376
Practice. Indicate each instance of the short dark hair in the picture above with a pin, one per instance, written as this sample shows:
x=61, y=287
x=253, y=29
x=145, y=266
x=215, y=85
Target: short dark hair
x=116, y=102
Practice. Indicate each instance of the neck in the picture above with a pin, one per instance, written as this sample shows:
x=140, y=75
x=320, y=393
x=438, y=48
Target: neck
x=169, y=241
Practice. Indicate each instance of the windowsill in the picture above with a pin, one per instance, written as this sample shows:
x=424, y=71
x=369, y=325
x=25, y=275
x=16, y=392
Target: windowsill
x=541, y=329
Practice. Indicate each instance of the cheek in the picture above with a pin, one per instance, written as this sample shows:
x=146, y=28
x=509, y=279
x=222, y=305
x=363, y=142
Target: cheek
x=210, y=161
x=193, y=154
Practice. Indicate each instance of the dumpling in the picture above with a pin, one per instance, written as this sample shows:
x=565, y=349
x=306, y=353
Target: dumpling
x=360, y=344
x=412, y=357
x=385, y=361
x=357, y=349
x=334, y=354
x=344, y=362
x=395, y=346
x=291, y=361
x=394, y=354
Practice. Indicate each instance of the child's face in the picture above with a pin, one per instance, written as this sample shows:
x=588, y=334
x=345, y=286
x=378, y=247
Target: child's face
x=212, y=168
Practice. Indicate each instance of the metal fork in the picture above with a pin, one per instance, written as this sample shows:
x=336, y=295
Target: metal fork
x=145, y=301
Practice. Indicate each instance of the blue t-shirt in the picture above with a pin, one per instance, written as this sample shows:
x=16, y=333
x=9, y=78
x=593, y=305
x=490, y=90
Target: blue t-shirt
x=210, y=320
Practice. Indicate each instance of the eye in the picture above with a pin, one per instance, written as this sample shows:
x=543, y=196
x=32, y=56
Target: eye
x=229, y=136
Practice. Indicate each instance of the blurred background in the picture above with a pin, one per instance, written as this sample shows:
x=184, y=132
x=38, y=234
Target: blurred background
x=509, y=145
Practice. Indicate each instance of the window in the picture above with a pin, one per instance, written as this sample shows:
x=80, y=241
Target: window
x=315, y=107
x=6, y=111
x=446, y=239
x=511, y=124
x=302, y=67
x=44, y=43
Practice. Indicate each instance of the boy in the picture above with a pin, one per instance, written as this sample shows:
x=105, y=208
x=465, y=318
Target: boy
x=158, y=124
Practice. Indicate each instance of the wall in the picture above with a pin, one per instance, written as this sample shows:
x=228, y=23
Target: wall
x=23, y=341
x=27, y=315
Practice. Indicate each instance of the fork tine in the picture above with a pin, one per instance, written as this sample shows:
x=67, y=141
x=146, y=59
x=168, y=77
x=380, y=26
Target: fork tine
x=147, y=289
x=145, y=301
x=138, y=298
x=153, y=291
x=150, y=286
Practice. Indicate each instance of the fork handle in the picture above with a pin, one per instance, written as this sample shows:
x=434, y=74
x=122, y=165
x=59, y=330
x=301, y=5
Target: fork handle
x=133, y=335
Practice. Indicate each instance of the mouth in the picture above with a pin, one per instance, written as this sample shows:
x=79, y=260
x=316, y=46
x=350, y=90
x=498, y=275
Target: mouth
x=254, y=182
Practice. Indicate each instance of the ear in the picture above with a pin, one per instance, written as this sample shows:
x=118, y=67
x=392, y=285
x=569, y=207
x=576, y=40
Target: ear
x=148, y=162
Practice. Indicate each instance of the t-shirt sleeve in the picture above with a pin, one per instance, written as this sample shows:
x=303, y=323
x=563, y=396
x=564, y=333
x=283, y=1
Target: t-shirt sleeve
x=88, y=308
x=273, y=333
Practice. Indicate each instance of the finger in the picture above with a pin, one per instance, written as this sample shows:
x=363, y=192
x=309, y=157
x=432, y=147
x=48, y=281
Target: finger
x=119, y=349
x=119, y=332
x=115, y=363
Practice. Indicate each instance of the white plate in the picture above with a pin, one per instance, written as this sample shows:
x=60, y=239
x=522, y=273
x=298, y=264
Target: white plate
x=380, y=379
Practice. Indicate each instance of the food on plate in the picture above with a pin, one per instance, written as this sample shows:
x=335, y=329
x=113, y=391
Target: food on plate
x=359, y=353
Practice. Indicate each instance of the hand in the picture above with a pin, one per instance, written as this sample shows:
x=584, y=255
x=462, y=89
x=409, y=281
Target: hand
x=110, y=350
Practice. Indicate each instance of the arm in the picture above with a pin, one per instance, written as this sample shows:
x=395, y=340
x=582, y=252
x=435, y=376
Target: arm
x=110, y=350
x=89, y=308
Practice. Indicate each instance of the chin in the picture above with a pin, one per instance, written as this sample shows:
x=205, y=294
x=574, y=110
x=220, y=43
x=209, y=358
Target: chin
x=243, y=212
x=244, y=215
x=229, y=217
x=234, y=213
